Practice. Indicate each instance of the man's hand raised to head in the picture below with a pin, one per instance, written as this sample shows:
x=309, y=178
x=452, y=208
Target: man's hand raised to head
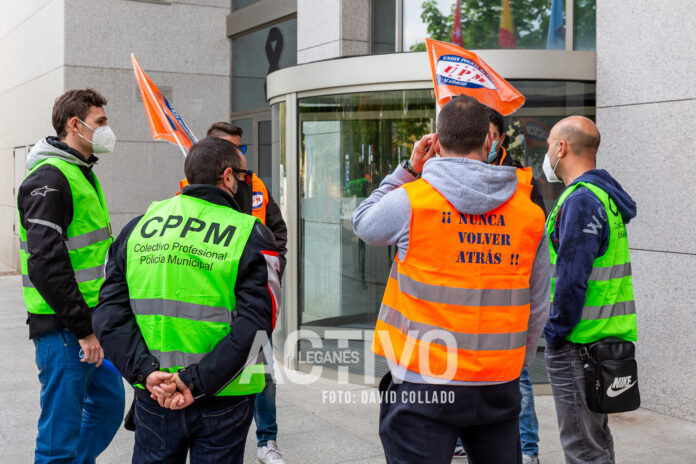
x=423, y=150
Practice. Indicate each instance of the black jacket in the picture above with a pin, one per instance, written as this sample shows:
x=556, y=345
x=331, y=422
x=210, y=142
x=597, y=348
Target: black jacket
x=536, y=196
x=123, y=343
x=274, y=221
x=45, y=208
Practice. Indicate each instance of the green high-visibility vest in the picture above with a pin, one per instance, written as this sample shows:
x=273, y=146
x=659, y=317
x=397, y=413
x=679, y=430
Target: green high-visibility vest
x=609, y=309
x=182, y=263
x=88, y=237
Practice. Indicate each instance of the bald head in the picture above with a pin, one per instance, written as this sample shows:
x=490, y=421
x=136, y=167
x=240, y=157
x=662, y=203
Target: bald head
x=580, y=133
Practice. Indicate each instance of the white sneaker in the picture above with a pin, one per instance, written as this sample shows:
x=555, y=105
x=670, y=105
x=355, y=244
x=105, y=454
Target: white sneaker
x=270, y=454
x=527, y=459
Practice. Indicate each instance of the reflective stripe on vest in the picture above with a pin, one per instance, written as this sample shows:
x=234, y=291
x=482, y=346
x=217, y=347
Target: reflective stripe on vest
x=457, y=306
x=259, y=198
x=81, y=275
x=87, y=238
x=182, y=263
x=609, y=309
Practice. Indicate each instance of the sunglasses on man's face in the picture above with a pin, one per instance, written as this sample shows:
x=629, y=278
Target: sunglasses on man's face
x=247, y=175
x=243, y=149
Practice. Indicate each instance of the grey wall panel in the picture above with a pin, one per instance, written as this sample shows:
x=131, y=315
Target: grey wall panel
x=643, y=147
x=664, y=290
x=646, y=51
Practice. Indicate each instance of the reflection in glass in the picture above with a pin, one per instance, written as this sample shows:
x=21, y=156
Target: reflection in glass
x=547, y=102
x=383, y=26
x=585, y=29
x=254, y=55
x=348, y=143
x=277, y=188
x=265, y=164
x=247, y=126
x=239, y=4
x=481, y=23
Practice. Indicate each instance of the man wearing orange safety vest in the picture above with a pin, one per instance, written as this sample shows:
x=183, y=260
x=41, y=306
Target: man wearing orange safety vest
x=253, y=198
x=466, y=298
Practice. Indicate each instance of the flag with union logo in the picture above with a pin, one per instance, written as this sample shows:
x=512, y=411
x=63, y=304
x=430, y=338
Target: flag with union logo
x=165, y=122
x=457, y=71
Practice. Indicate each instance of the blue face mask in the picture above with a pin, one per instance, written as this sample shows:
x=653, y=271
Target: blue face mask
x=493, y=153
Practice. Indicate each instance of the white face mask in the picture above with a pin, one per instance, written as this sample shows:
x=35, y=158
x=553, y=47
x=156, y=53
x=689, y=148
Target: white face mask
x=549, y=171
x=103, y=138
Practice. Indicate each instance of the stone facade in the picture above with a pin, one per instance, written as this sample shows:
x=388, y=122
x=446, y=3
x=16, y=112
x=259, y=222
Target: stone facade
x=646, y=98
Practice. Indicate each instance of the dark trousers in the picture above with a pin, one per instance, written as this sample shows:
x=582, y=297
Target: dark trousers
x=213, y=435
x=415, y=429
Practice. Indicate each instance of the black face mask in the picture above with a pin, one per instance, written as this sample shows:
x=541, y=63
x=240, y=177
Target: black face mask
x=243, y=197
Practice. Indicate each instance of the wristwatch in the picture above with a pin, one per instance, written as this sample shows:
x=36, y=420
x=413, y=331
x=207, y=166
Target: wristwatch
x=406, y=165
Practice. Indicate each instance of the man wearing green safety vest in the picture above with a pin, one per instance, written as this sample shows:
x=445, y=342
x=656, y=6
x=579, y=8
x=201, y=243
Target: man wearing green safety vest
x=65, y=232
x=591, y=287
x=188, y=302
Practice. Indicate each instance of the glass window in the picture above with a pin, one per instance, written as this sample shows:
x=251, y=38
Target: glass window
x=383, y=26
x=239, y=4
x=348, y=143
x=254, y=56
x=547, y=102
x=265, y=170
x=247, y=126
x=277, y=189
x=585, y=27
x=485, y=24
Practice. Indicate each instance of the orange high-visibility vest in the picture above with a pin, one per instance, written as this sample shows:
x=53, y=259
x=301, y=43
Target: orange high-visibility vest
x=259, y=196
x=464, y=282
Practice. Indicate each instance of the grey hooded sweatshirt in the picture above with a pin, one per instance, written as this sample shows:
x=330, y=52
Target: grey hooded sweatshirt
x=472, y=187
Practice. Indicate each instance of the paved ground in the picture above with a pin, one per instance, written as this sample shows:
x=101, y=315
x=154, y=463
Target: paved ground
x=313, y=429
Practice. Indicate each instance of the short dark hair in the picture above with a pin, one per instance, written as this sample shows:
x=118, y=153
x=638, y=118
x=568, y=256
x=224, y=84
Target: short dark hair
x=496, y=119
x=462, y=125
x=208, y=158
x=222, y=128
x=75, y=102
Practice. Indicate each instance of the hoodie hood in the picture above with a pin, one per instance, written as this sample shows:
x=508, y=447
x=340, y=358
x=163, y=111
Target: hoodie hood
x=51, y=147
x=603, y=180
x=472, y=187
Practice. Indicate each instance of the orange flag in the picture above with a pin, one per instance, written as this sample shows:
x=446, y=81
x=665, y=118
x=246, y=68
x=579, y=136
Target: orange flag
x=457, y=71
x=165, y=122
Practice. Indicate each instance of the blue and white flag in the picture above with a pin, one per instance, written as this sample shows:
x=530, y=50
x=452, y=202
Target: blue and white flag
x=555, y=39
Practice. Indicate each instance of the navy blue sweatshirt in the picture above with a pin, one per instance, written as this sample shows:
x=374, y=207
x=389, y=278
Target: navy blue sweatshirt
x=580, y=234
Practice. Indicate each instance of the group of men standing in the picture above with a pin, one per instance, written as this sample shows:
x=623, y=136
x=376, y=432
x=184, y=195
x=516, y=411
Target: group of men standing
x=190, y=290
x=468, y=295
x=181, y=303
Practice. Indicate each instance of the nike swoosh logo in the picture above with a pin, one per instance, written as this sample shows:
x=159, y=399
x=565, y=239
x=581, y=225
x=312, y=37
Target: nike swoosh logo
x=611, y=393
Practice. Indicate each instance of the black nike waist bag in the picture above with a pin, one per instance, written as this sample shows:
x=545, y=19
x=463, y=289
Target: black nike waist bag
x=611, y=376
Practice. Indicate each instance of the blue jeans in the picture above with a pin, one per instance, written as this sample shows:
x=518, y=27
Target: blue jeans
x=585, y=435
x=265, y=414
x=265, y=408
x=529, y=425
x=212, y=435
x=81, y=405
